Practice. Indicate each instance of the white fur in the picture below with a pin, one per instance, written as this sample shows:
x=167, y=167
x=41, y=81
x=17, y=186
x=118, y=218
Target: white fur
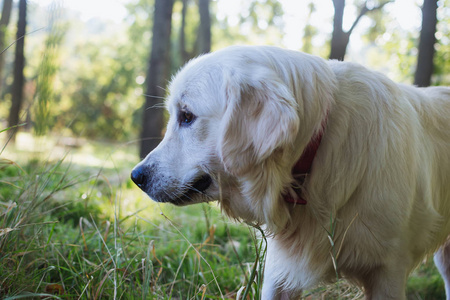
x=379, y=192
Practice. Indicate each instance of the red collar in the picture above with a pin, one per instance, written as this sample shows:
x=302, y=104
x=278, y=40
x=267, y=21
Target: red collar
x=303, y=167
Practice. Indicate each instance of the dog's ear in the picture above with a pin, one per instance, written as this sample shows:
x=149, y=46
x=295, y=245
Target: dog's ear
x=260, y=117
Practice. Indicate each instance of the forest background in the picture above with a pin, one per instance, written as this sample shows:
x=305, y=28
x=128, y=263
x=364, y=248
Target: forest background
x=81, y=87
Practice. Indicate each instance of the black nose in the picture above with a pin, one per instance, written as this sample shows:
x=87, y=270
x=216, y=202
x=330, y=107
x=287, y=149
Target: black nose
x=138, y=177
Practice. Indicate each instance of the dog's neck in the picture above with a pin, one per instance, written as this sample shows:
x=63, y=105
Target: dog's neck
x=303, y=167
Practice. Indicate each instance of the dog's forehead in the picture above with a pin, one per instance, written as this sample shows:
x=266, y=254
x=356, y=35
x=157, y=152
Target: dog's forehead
x=195, y=86
x=182, y=100
x=186, y=97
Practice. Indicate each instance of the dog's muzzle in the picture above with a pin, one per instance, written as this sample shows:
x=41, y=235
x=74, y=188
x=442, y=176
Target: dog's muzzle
x=138, y=177
x=144, y=177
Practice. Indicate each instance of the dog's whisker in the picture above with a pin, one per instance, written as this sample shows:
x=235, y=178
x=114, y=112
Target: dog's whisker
x=152, y=96
x=158, y=106
x=192, y=188
x=162, y=88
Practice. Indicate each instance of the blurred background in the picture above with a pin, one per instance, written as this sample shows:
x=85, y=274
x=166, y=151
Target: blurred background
x=94, y=68
x=82, y=86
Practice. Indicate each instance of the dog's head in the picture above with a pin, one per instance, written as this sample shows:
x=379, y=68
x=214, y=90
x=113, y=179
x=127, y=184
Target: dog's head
x=230, y=137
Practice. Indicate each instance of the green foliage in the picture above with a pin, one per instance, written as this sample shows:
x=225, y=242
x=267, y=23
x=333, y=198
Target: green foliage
x=260, y=22
x=44, y=97
x=309, y=31
x=426, y=283
x=139, y=30
x=262, y=14
x=99, y=101
x=95, y=93
x=441, y=73
x=397, y=47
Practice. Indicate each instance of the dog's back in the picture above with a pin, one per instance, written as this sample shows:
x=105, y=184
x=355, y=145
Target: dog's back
x=407, y=132
x=435, y=116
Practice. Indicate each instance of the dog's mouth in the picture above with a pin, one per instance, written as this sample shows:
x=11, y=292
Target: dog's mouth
x=198, y=186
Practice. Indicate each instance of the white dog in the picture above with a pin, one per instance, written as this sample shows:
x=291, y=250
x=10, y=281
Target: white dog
x=348, y=171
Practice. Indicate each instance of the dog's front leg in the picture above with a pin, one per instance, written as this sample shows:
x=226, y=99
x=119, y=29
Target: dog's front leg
x=270, y=291
x=272, y=288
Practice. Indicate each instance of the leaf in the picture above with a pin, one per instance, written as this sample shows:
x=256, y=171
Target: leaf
x=5, y=231
x=9, y=207
x=55, y=289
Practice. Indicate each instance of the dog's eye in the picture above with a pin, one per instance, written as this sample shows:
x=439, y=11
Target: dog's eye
x=186, y=118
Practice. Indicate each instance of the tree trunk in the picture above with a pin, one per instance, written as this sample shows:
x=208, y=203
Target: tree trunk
x=17, y=88
x=424, y=68
x=4, y=21
x=157, y=77
x=183, y=52
x=339, y=38
x=205, y=26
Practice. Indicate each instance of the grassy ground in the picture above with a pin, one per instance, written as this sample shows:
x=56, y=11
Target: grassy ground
x=73, y=226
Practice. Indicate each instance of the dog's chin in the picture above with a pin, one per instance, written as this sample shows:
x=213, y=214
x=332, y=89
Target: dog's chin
x=195, y=192
x=186, y=200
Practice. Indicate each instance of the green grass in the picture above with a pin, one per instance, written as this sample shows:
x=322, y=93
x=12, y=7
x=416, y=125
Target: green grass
x=73, y=226
x=76, y=227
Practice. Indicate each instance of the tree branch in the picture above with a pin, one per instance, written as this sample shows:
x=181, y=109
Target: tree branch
x=364, y=10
